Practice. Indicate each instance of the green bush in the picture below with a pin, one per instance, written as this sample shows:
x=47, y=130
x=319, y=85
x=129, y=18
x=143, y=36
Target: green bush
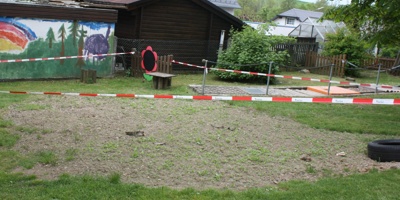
x=389, y=51
x=250, y=47
x=344, y=42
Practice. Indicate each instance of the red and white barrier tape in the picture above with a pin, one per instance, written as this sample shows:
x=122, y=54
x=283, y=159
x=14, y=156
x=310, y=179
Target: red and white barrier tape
x=382, y=87
x=229, y=98
x=63, y=57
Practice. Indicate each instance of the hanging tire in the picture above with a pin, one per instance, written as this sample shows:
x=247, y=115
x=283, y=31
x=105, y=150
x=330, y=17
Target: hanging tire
x=384, y=150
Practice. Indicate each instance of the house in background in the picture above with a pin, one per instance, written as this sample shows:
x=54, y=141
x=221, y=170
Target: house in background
x=227, y=5
x=312, y=30
x=287, y=21
x=301, y=24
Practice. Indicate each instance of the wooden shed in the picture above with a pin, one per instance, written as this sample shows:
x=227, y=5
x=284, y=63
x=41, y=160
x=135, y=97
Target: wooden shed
x=57, y=31
x=188, y=29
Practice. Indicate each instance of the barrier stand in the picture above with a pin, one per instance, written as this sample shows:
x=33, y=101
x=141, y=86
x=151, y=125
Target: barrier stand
x=269, y=77
x=365, y=101
x=204, y=75
x=292, y=77
x=330, y=79
x=62, y=58
x=377, y=78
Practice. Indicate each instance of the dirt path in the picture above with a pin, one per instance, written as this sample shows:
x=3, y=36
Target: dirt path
x=180, y=143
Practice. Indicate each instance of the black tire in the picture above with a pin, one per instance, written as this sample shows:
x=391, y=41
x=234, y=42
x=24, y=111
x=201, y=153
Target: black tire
x=384, y=150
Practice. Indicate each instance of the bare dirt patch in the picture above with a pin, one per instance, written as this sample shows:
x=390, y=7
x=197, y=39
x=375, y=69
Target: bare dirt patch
x=181, y=143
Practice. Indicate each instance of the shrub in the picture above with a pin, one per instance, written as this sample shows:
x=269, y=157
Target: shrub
x=344, y=42
x=250, y=47
x=389, y=51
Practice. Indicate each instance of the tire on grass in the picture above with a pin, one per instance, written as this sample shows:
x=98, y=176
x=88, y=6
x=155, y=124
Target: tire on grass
x=384, y=150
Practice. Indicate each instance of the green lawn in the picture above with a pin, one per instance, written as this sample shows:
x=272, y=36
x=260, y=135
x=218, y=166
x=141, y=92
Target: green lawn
x=373, y=185
x=380, y=120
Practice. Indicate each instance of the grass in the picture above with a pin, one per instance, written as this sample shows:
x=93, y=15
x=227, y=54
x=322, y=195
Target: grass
x=381, y=120
x=366, y=77
x=43, y=157
x=374, y=119
x=7, y=139
x=179, y=84
x=70, y=154
x=6, y=100
x=5, y=123
x=374, y=185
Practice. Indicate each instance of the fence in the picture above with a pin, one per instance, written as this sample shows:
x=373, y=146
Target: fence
x=321, y=64
x=185, y=51
x=372, y=63
x=195, y=51
x=298, y=51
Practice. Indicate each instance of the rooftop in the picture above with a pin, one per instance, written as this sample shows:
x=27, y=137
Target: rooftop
x=226, y=3
x=301, y=15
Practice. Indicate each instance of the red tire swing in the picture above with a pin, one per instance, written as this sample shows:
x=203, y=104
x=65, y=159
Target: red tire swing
x=149, y=62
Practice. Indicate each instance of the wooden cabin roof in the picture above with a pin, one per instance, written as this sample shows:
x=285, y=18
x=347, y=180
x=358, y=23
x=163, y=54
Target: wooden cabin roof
x=49, y=11
x=134, y=4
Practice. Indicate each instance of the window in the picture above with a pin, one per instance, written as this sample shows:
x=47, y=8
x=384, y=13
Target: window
x=290, y=21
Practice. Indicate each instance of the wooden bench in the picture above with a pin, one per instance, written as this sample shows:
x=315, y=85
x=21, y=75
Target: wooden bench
x=161, y=80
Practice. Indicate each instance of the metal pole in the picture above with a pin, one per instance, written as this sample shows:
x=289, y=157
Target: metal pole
x=269, y=76
x=377, y=78
x=330, y=78
x=221, y=42
x=204, y=75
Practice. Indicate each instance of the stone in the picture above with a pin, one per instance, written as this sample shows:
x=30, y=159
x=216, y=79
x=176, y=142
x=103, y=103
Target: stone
x=305, y=71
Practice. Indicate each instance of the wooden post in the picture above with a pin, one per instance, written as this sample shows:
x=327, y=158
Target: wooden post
x=136, y=68
x=88, y=75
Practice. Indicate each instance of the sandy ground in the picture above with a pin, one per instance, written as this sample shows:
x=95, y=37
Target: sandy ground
x=181, y=143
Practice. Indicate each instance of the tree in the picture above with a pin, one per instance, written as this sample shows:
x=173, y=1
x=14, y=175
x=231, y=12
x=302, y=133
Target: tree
x=249, y=10
x=73, y=29
x=288, y=4
x=50, y=37
x=377, y=21
x=249, y=47
x=344, y=42
x=82, y=34
x=319, y=6
x=62, y=33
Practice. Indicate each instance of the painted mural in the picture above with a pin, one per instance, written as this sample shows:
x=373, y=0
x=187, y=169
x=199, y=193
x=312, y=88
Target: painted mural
x=39, y=38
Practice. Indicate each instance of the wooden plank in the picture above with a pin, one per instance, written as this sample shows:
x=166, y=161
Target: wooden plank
x=43, y=11
x=160, y=74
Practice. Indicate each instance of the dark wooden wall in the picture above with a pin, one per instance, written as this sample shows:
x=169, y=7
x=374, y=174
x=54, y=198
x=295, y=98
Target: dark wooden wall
x=170, y=20
x=128, y=24
x=175, y=20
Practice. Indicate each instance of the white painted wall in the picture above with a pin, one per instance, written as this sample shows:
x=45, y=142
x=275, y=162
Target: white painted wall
x=282, y=28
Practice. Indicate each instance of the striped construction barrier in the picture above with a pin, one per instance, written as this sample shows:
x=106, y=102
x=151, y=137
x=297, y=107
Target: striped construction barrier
x=63, y=57
x=388, y=88
x=367, y=101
